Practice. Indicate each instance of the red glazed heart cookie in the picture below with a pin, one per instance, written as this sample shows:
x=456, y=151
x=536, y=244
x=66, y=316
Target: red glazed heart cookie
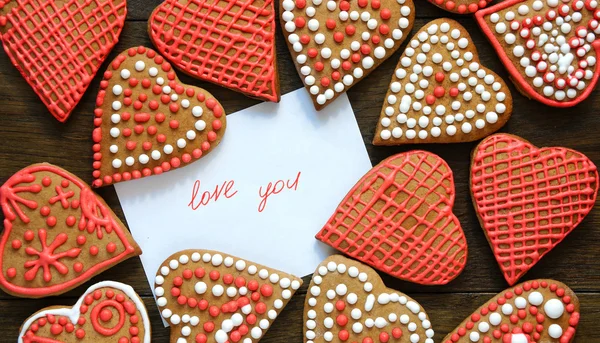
x=548, y=46
x=347, y=301
x=398, y=219
x=147, y=122
x=57, y=233
x=230, y=43
x=528, y=199
x=336, y=44
x=460, y=6
x=534, y=311
x=107, y=312
x=59, y=45
x=440, y=93
x=211, y=297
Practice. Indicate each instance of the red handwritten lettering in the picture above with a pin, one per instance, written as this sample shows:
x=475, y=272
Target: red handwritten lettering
x=275, y=188
x=226, y=189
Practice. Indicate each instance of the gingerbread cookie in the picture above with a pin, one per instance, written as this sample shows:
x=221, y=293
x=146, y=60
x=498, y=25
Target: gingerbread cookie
x=230, y=43
x=148, y=122
x=529, y=199
x=398, y=219
x=440, y=92
x=336, y=44
x=347, y=301
x=107, y=312
x=534, y=311
x=57, y=233
x=211, y=297
x=59, y=45
x=548, y=46
x=460, y=6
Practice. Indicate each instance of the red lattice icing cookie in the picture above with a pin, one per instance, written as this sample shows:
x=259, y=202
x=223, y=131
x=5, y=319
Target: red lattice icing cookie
x=335, y=44
x=535, y=311
x=107, y=312
x=528, y=199
x=147, y=122
x=59, y=45
x=460, y=6
x=398, y=219
x=230, y=43
x=548, y=46
x=210, y=297
x=57, y=233
x=440, y=93
x=347, y=301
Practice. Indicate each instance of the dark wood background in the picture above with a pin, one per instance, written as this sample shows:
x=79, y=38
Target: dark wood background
x=29, y=134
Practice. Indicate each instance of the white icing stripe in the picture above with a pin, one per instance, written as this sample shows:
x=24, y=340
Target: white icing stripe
x=73, y=312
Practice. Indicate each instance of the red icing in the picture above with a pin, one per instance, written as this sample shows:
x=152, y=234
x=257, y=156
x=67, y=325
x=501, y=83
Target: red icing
x=224, y=51
x=517, y=75
x=359, y=231
x=50, y=255
x=149, y=126
x=552, y=212
x=57, y=327
x=519, y=324
x=37, y=36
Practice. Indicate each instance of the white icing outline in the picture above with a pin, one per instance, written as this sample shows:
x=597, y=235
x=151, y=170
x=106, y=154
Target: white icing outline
x=73, y=313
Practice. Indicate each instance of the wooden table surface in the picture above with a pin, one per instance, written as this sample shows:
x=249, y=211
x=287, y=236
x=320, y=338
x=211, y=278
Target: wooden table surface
x=29, y=134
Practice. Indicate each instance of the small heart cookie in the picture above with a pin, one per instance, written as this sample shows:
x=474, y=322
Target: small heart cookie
x=230, y=43
x=107, y=312
x=212, y=297
x=529, y=199
x=440, y=92
x=534, y=311
x=148, y=122
x=347, y=301
x=57, y=233
x=59, y=45
x=336, y=44
x=398, y=219
x=549, y=47
x=461, y=6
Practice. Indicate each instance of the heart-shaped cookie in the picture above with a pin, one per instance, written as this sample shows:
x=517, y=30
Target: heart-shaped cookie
x=211, y=297
x=347, y=301
x=57, y=233
x=535, y=311
x=230, y=43
x=548, y=46
x=147, y=122
x=528, y=199
x=440, y=92
x=460, y=6
x=398, y=218
x=336, y=44
x=59, y=45
x=107, y=312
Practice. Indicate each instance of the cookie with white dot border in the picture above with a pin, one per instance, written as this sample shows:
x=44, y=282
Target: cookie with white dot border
x=148, y=122
x=336, y=44
x=347, y=301
x=440, y=92
x=534, y=311
x=549, y=47
x=107, y=312
x=212, y=297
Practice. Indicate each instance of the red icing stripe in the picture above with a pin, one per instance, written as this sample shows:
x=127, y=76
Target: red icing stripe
x=529, y=199
x=38, y=37
x=413, y=235
x=233, y=46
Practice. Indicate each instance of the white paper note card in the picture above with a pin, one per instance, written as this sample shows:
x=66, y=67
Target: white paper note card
x=262, y=194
